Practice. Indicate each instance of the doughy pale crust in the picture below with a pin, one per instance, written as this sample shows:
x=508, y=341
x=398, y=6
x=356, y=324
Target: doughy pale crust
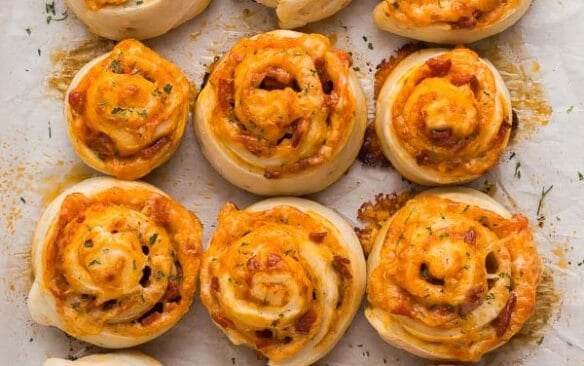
x=518, y=267
x=445, y=33
x=484, y=134
x=122, y=358
x=297, y=13
x=247, y=170
x=150, y=19
x=159, y=115
x=280, y=244
x=47, y=309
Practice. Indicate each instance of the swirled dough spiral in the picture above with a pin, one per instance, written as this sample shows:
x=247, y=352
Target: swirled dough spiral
x=297, y=13
x=115, y=263
x=448, y=21
x=443, y=116
x=127, y=111
x=452, y=275
x=282, y=113
x=285, y=277
x=122, y=358
x=122, y=19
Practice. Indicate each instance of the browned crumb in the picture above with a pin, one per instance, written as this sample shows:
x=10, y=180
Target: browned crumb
x=374, y=213
x=371, y=153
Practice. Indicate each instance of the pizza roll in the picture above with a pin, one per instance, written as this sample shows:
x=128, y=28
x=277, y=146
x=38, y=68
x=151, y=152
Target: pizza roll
x=284, y=276
x=282, y=114
x=450, y=21
x=127, y=111
x=442, y=116
x=298, y=13
x=122, y=358
x=452, y=275
x=115, y=263
x=139, y=19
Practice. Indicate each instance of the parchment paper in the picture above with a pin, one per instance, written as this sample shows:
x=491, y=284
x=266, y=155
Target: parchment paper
x=36, y=161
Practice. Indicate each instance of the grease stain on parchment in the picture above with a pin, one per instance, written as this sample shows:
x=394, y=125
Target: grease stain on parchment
x=67, y=62
x=55, y=184
x=520, y=71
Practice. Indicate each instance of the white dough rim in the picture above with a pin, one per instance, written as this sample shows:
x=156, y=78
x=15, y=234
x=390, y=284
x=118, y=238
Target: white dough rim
x=122, y=358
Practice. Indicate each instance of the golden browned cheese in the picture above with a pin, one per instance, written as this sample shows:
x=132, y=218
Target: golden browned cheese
x=284, y=100
x=276, y=280
x=467, y=14
x=458, y=280
x=445, y=113
x=98, y=4
x=130, y=109
x=122, y=261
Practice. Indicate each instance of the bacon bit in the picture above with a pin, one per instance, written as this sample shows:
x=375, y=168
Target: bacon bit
x=340, y=265
x=502, y=322
x=319, y=63
x=423, y=158
x=331, y=100
x=264, y=334
x=473, y=298
x=100, y=143
x=305, y=322
x=170, y=306
x=317, y=237
x=225, y=93
x=215, y=284
x=439, y=66
x=172, y=293
x=403, y=308
x=276, y=78
x=301, y=128
x=371, y=153
x=272, y=174
x=59, y=286
x=253, y=265
x=461, y=79
x=443, y=310
x=274, y=260
x=443, y=137
x=503, y=129
x=77, y=101
x=157, y=209
x=470, y=237
x=222, y=321
x=148, y=320
x=149, y=152
x=467, y=22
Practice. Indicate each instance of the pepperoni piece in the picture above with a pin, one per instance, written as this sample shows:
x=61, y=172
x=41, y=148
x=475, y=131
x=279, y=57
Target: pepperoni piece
x=225, y=93
x=317, y=237
x=502, y=322
x=340, y=265
x=305, y=322
x=77, y=101
x=439, y=66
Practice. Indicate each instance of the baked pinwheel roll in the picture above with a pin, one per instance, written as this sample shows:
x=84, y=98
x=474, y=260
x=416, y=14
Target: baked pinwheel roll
x=127, y=111
x=443, y=116
x=282, y=114
x=452, y=275
x=284, y=276
x=452, y=21
x=122, y=19
x=115, y=263
x=297, y=13
x=122, y=358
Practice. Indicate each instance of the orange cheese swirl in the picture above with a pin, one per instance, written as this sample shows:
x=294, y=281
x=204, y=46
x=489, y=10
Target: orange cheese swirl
x=449, y=278
x=282, y=113
x=115, y=263
x=443, y=116
x=127, y=111
x=283, y=279
x=449, y=21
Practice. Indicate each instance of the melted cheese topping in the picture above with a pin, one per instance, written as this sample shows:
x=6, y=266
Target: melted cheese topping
x=98, y=4
x=123, y=261
x=280, y=280
x=467, y=14
x=285, y=105
x=450, y=114
x=452, y=280
x=128, y=111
